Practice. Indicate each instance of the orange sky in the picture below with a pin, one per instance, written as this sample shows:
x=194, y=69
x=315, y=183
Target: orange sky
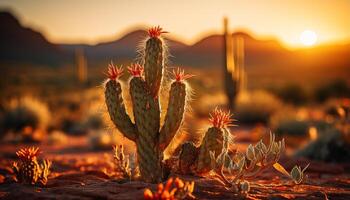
x=91, y=21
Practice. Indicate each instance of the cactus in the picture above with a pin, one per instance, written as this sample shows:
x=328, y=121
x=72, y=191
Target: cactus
x=216, y=139
x=151, y=139
x=28, y=170
x=234, y=75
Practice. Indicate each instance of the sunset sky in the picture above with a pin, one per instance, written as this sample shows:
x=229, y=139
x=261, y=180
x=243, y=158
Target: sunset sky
x=93, y=21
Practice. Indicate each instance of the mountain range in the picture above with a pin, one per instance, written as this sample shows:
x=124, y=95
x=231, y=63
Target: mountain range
x=22, y=44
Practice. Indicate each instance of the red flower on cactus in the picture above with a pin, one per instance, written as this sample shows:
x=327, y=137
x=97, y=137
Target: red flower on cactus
x=220, y=118
x=28, y=153
x=135, y=70
x=155, y=31
x=114, y=72
x=180, y=75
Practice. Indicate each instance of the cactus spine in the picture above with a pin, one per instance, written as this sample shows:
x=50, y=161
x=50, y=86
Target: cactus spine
x=151, y=139
x=28, y=170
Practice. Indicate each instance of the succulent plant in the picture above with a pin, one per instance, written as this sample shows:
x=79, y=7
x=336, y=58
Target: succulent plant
x=297, y=174
x=28, y=170
x=243, y=167
x=173, y=189
x=216, y=140
x=151, y=139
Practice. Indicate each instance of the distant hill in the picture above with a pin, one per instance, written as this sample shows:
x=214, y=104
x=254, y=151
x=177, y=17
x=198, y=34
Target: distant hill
x=18, y=43
x=21, y=44
x=123, y=49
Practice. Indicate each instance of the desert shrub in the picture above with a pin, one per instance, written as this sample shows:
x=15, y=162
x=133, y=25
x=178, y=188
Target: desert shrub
x=57, y=137
x=25, y=116
x=284, y=123
x=80, y=118
x=293, y=127
x=102, y=140
x=256, y=107
x=335, y=89
x=291, y=93
x=330, y=146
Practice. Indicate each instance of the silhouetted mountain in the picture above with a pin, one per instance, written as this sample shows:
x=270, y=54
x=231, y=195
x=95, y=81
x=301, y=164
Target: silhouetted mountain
x=123, y=49
x=21, y=44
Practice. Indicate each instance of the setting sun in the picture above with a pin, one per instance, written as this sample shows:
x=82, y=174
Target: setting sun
x=308, y=38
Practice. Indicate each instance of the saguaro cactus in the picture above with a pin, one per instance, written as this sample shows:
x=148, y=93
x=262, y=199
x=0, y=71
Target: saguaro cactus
x=145, y=131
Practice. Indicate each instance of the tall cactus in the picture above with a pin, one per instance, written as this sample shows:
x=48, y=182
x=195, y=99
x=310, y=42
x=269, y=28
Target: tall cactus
x=151, y=139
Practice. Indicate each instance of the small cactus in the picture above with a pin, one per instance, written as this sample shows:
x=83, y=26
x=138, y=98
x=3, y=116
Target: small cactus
x=151, y=139
x=174, y=189
x=216, y=139
x=28, y=170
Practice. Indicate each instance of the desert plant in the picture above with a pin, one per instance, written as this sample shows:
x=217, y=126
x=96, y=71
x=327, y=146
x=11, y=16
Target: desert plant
x=336, y=88
x=28, y=170
x=125, y=164
x=102, y=140
x=293, y=127
x=256, y=107
x=331, y=145
x=26, y=116
x=150, y=139
x=242, y=167
x=216, y=140
x=57, y=137
x=174, y=189
x=233, y=67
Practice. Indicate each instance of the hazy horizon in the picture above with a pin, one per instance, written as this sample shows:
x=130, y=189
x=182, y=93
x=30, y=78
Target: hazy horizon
x=92, y=22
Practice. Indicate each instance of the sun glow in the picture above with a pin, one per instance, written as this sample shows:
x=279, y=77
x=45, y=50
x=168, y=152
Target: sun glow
x=308, y=38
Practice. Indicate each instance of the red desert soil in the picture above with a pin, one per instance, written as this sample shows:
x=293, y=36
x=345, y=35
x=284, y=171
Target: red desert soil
x=82, y=173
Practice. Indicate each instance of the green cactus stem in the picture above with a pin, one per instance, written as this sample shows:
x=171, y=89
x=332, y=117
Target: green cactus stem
x=151, y=139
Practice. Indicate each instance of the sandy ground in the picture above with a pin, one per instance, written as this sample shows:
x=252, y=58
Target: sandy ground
x=79, y=172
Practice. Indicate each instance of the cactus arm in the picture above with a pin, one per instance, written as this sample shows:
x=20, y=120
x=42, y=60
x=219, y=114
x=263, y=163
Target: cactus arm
x=117, y=112
x=154, y=64
x=175, y=113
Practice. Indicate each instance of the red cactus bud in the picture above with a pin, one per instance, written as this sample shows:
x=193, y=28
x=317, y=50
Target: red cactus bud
x=220, y=118
x=114, y=72
x=28, y=153
x=180, y=75
x=135, y=70
x=155, y=31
